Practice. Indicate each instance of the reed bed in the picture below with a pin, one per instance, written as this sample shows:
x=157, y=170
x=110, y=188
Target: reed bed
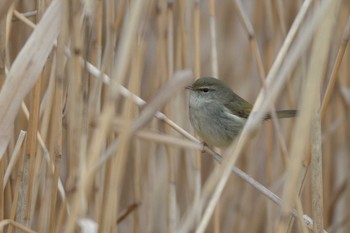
x=94, y=129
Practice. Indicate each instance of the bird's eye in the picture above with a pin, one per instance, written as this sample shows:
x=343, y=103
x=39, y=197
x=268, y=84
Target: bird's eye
x=205, y=89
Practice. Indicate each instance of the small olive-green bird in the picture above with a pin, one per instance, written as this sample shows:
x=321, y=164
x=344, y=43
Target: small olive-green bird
x=218, y=114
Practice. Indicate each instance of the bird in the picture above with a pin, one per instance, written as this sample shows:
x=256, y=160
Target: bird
x=217, y=114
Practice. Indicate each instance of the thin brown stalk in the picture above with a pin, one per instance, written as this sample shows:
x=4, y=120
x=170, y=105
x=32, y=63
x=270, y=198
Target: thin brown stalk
x=56, y=146
x=61, y=216
x=31, y=147
x=16, y=193
x=126, y=212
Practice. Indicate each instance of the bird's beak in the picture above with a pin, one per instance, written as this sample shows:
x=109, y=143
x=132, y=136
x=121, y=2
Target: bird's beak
x=189, y=88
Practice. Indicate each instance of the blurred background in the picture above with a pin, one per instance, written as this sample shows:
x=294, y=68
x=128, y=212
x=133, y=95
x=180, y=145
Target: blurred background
x=70, y=160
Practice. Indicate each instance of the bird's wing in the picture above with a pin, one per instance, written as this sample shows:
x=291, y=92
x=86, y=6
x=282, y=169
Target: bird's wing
x=239, y=106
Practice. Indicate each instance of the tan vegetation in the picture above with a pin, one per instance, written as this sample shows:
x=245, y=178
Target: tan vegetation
x=94, y=129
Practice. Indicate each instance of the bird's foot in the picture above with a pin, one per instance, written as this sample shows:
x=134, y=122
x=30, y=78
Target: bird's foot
x=204, y=144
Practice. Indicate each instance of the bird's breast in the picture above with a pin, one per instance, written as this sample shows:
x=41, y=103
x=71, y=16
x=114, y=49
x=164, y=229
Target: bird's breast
x=214, y=123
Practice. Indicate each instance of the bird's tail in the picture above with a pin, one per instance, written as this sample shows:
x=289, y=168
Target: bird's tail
x=284, y=114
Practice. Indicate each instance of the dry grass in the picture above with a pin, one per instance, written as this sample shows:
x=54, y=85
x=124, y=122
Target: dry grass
x=94, y=130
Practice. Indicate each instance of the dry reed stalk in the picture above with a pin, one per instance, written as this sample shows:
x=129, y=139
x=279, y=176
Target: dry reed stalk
x=119, y=162
x=197, y=73
x=171, y=189
x=316, y=171
x=31, y=146
x=136, y=87
x=14, y=158
x=75, y=118
x=2, y=194
x=52, y=222
x=2, y=51
x=17, y=207
x=56, y=136
x=272, y=44
x=196, y=40
x=215, y=72
x=252, y=39
x=182, y=57
x=183, y=161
